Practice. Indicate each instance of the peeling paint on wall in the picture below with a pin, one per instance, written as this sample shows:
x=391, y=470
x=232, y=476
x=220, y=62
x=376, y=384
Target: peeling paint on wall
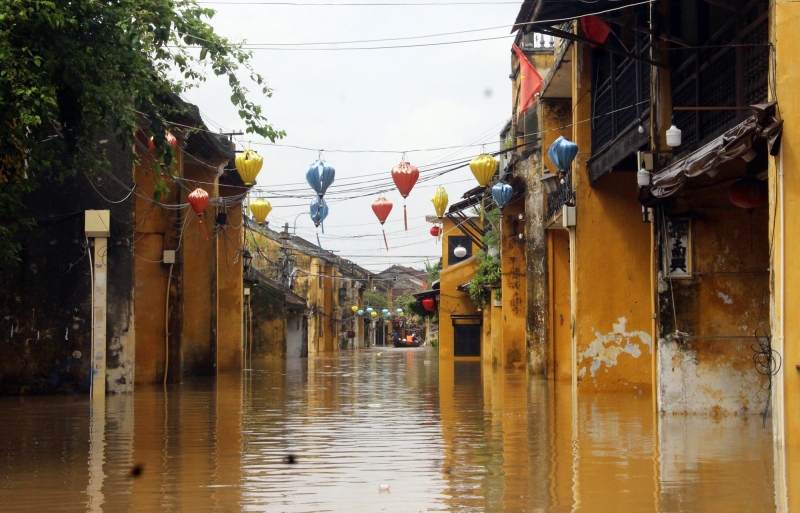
x=606, y=348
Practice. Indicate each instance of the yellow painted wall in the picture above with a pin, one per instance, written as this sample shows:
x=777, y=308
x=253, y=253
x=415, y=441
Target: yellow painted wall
x=514, y=297
x=786, y=246
x=611, y=271
x=198, y=257
x=451, y=301
x=230, y=288
x=560, y=307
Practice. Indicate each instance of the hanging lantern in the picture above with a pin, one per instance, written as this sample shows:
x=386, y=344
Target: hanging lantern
x=405, y=176
x=373, y=314
x=484, y=167
x=382, y=207
x=749, y=193
x=260, y=209
x=320, y=176
x=354, y=308
x=501, y=194
x=385, y=311
x=429, y=304
x=435, y=231
x=171, y=140
x=198, y=199
x=439, y=201
x=360, y=313
x=318, y=214
x=248, y=164
x=562, y=152
x=399, y=310
x=460, y=252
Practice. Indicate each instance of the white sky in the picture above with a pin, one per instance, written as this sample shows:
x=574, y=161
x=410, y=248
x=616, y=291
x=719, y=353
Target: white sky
x=388, y=99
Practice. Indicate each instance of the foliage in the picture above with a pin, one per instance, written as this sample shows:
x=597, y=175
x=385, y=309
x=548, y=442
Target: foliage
x=433, y=270
x=375, y=299
x=71, y=69
x=491, y=222
x=434, y=343
x=487, y=274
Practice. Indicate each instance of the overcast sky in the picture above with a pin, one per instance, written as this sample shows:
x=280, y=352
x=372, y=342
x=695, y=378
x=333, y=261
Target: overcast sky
x=400, y=99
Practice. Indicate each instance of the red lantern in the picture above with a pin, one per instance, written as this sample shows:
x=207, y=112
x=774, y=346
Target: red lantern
x=749, y=193
x=351, y=334
x=170, y=140
x=429, y=304
x=405, y=176
x=382, y=207
x=435, y=231
x=198, y=199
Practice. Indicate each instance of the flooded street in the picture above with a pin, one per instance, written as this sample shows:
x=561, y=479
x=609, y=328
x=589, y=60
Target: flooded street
x=376, y=430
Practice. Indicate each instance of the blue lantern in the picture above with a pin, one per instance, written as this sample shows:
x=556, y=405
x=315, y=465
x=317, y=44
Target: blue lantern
x=370, y=310
x=385, y=311
x=320, y=176
x=360, y=313
x=318, y=214
x=387, y=314
x=399, y=310
x=562, y=152
x=501, y=194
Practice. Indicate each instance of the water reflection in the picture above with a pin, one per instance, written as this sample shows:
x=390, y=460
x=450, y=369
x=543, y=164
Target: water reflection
x=376, y=430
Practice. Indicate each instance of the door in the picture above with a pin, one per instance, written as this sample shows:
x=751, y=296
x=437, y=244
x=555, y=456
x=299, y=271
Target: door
x=467, y=340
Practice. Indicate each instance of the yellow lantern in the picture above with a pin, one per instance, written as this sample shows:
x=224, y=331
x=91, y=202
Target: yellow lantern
x=260, y=209
x=439, y=201
x=354, y=308
x=249, y=163
x=373, y=314
x=484, y=167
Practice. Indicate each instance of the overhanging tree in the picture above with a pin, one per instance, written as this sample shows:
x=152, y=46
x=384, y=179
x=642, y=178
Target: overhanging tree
x=71, y=68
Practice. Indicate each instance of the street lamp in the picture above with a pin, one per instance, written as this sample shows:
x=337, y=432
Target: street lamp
x=247, y=259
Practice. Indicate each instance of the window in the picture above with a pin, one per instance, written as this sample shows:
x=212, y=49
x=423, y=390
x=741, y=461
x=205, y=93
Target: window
x=452, y=244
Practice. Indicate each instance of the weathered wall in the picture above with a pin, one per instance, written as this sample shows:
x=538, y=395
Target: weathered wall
x=296, y=344
x=154, y=228
x=561, y=308
x=514, y=282
x=612, y=269
x=45, y=301
x=269, y=323
x=196, y=261
x=709, y=368
x=230, y=288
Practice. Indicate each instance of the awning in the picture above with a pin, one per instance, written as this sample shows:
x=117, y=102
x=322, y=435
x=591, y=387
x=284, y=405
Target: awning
x=733, y=144
x=553, y=12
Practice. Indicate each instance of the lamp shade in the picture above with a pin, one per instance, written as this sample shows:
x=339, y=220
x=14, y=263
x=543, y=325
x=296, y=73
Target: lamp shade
x=562, y=152
x=354, y=308
x=460, y=252
x=673, y=136
x=370, y=310
x=429, y=304
x=405, y=176
x=549, y=182
x=360, y=313
x=198, y=199
x=385, y=311
x=399, y=310
x=435, y=231
x=439, y=201
x=260, y=209
x=382, y=207
x=643, y=177
x=501, y=194
x=484, y=167
x=248, y=164
x=373, y=314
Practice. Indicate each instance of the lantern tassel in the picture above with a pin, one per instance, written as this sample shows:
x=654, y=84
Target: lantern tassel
x=384, y=240
x=319, y=244
x=481, y=210
x=405, y=214
x=203, y=229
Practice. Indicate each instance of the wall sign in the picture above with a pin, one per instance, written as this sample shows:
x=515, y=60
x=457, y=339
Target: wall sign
x=677, y=261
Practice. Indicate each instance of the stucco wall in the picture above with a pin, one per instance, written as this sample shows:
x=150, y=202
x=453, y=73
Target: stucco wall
x=230, y=288
x=514, y=280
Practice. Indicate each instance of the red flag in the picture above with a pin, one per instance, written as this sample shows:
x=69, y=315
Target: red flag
x=595, y=29
x=530, y=81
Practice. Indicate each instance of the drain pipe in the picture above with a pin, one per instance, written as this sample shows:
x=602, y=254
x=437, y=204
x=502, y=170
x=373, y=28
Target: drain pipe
x=166, y=325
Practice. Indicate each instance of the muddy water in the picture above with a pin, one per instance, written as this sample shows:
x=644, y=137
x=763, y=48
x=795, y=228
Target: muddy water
x=376, y=430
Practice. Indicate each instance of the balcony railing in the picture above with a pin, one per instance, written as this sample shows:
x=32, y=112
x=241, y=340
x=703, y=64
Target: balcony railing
x=564, y=195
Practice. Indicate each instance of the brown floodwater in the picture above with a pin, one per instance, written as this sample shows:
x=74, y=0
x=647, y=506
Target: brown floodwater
x=376, y=430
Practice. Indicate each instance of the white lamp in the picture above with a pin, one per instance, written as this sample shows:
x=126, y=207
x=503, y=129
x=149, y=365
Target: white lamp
x=460, y=252
x=643, y=176
x=673, y=135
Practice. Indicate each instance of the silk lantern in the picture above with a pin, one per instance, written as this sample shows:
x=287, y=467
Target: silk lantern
x=171, y=140
x=749, y=193
x=320, y=176
x=318, y=213
x=439, y=200
x=562, y=152
x=501, y=194
x=248, y=164
x=405, y=176
x=260, y=209
x=435, y=231
x=429, y=304
x=198, y=199
x=382, y=207
x=483, y=167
